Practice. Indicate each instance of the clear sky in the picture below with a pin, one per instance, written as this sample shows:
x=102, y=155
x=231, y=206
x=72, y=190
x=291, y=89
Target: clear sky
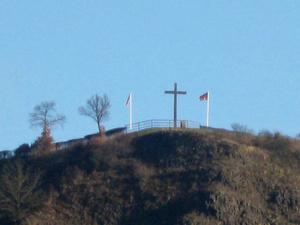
x=246, y=53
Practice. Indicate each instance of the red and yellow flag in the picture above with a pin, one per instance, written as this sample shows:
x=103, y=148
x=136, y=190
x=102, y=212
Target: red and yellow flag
x=128, y=100
x=204, y=97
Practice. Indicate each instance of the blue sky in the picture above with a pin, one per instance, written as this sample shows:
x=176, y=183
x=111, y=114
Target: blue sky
x=246, y=53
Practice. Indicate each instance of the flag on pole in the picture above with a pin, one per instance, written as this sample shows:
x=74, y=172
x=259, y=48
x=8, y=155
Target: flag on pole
x=204, y=97
x=128, y=100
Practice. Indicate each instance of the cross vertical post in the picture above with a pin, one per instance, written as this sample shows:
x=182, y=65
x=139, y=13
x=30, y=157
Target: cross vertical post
x=175, y=93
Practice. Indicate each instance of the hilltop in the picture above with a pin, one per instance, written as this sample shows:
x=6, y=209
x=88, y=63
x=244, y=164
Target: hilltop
x=166, y=176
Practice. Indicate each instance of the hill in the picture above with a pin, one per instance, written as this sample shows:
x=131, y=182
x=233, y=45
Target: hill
x=160, y=177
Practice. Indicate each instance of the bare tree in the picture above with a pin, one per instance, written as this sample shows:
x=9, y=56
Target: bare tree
x=97, y=108
x=45, y=116
x=20, y=192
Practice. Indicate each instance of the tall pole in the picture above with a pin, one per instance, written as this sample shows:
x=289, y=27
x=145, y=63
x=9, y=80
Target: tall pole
x=207, y=122
x=206, y=97
x=175, y=104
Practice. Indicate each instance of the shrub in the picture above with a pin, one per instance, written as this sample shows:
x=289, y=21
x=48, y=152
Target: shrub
x=23, y=150
x=265, y=133
x=44, y=143
x=241, y=128
x=5, y=154
x=271, y=141
x=96, y=141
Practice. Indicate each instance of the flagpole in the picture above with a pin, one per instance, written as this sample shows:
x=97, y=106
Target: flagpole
x=207, y=122
x=130, y=119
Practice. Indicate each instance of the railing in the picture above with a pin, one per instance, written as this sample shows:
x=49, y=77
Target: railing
x=161, y=124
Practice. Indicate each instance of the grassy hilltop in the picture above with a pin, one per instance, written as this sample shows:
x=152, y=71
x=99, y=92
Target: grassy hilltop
x=159, y=177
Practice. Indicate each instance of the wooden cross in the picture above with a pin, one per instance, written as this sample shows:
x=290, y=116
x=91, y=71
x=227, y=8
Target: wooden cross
x=175, y=93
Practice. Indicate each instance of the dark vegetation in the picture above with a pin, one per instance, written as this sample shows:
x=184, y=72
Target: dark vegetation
x=157, y=177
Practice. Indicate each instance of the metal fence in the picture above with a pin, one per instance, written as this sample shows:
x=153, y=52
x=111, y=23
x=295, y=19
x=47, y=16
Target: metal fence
x=161, y=124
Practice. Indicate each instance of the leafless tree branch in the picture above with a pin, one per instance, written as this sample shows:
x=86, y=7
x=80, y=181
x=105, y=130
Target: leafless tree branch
x=97, y=108
x=44, y=115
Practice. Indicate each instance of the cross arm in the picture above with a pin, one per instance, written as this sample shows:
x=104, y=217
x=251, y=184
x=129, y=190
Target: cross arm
x=169, y=92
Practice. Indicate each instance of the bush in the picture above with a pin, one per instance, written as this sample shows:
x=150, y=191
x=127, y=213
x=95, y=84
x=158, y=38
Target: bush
x=96, y=141
x=271, y=141
x=241, y=128
x=23, y=150
x=44, y=143
x=5, y=154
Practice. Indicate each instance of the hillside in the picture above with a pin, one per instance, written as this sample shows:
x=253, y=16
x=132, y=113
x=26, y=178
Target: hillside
x=162, y=177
